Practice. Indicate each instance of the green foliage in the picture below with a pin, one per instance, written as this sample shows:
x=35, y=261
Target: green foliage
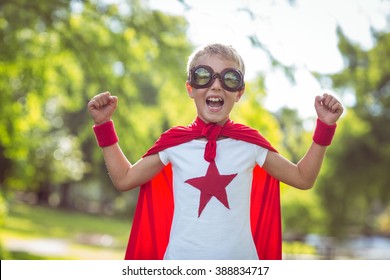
x=250, y=111
x=3, y=214
x=301, y=213
x=354, y=189
x=383, y=222
x=296, y=139
x=54, y=57
x=297, y=248
x=3, y=209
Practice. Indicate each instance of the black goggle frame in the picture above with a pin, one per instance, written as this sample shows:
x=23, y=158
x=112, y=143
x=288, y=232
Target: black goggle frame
x=221, y=76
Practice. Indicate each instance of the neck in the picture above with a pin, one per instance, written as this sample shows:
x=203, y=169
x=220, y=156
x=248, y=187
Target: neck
x=221, y=123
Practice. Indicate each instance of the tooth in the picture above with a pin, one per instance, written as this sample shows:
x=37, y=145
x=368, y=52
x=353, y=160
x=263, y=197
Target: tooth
x=215, y=99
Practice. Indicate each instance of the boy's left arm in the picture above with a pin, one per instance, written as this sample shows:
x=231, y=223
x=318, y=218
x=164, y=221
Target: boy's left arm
x=303, y=174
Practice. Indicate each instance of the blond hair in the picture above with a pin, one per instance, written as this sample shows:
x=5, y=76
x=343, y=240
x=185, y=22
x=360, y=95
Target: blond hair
x=224, y=51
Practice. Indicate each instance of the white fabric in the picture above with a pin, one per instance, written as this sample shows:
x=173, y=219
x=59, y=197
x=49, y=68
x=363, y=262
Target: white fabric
x=219, y=232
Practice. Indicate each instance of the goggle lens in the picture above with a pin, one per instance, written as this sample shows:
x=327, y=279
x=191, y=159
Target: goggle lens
x=231, y=79
x=201, y=76
x=204, y=76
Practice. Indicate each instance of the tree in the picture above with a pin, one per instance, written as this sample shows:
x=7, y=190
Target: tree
x=54, y=57
x=354, y=189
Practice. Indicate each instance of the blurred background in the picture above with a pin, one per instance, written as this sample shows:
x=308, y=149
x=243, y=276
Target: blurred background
x=56, y=199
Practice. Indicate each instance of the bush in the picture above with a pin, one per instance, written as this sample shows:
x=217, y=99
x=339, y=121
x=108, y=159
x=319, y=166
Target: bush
x=3, y=214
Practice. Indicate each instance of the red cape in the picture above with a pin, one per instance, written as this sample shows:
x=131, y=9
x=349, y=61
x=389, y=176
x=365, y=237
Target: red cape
x=151, y=227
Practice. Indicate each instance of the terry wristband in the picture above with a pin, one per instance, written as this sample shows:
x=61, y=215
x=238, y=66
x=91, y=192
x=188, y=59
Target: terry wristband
x=323, y=134
x=105, y=134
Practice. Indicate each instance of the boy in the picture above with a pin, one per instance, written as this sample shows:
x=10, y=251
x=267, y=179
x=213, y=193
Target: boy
x=210, y=190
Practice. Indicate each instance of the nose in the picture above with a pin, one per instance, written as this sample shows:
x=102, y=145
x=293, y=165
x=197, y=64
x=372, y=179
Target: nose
x=216, y=82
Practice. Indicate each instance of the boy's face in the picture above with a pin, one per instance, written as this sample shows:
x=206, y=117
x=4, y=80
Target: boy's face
x=214, y=104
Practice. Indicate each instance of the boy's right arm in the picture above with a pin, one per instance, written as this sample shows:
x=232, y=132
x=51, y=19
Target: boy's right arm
x=124, y=175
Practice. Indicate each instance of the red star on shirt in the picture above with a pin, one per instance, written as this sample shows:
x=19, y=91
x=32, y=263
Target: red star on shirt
x=212, y=184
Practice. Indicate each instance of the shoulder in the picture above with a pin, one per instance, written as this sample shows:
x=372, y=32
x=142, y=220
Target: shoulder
x=248, y=134
x=172, y=137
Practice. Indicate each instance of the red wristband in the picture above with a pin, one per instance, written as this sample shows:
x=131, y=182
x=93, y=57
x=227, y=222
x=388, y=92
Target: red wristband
x=105, y=134
x=324, y=133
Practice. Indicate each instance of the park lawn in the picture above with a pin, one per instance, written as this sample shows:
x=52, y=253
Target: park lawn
x=35, y=232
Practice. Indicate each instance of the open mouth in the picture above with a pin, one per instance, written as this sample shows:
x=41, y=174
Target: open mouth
x=214, y=102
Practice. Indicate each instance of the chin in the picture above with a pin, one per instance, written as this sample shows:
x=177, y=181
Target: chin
x=214, y=119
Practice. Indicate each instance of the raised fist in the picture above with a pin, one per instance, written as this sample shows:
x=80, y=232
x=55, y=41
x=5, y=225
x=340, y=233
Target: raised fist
x=102, y=106
x=328, y=108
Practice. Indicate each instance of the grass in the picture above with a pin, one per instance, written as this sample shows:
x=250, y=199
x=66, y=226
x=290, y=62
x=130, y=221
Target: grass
x=34, y=232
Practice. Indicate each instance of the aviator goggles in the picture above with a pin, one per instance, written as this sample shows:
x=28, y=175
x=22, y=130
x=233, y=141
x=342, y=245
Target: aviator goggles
x=203, y=76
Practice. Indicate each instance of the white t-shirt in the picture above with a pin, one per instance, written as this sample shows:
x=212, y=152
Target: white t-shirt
x=219, y=232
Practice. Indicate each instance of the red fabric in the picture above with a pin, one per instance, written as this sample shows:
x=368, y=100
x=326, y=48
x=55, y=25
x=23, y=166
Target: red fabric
x=150, y=231
x=324, y=133
x=212, y=184
x=105, y=134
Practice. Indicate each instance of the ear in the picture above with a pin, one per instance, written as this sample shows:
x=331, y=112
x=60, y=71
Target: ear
x=239, y=94
x=189, y=90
